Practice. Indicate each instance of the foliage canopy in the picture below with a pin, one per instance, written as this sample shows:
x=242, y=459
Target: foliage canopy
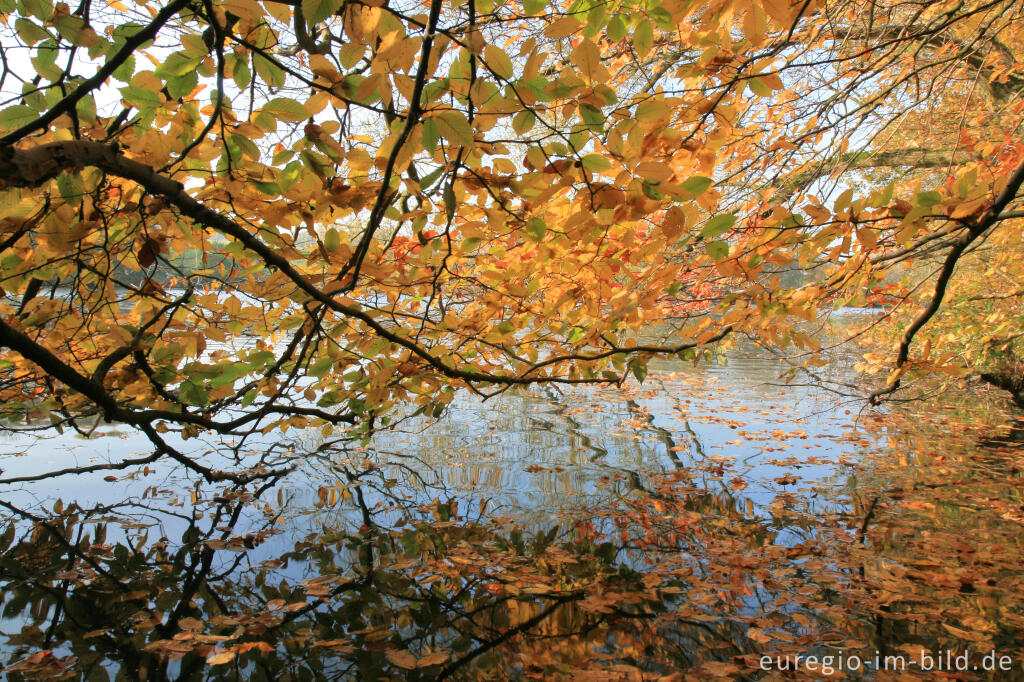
x=389, y=201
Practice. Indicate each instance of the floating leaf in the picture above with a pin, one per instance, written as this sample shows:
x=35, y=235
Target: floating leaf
x=221, y=658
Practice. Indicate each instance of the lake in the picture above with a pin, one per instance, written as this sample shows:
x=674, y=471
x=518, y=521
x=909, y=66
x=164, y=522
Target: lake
x=699, y=521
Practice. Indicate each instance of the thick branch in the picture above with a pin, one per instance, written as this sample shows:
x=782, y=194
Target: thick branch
x=898, y=158
x=987, y=220
x=32, y=167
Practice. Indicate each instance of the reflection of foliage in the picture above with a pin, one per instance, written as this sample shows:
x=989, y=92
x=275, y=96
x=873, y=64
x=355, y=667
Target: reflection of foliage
x=434, y=595
x=938, y=544
x=1004, y=367
x=671, y=577
x=665, y=571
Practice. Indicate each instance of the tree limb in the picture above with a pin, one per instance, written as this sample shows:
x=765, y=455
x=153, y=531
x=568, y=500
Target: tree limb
x=102, y=74
x=987, y=220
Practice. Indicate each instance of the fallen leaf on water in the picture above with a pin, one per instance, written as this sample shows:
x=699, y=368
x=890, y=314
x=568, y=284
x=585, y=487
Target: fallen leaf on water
x=221, y=658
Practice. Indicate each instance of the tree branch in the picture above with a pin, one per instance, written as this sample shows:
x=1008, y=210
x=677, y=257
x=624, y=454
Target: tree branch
x=32, y=167
x=987, y=220
x=90, y=84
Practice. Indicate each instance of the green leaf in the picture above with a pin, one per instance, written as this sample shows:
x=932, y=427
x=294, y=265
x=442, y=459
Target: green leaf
x=534, y=7
x=718, y=250
x=639, y=370
x=592, y=116
x=430, y=136
x=928, y=198
x=454, y=127
x=10, y=261
x=758, y=87
x=270, y=188
x=125, y=71
x=662, y=17
x=282, y=156
x=228, y=374
x=434, y=89
x=178, y=64
x=193, y=394
x=270, y=73
x=316, y=11
x=332, y=239
x=883, y=196
x=718, y=225
x=17, y=116
x=616, y=29
x=643, y=37
x=179, y=86
x=140, y=98
x=240, y=70
x=44, y=64
x=246, y=146
x=41, y=9
x=449, y=202
x=596, y=20
x=285, y=109
x=30, y=32
x=70, y=188
x=697, y=185
x=320, y=367
x=650, y=191
x=74, y=30
x=596, y=163
x=289, y=175
x=314, y=162
x=536, y=228
x=430, y=178
x=523, y=122
x=86, y=108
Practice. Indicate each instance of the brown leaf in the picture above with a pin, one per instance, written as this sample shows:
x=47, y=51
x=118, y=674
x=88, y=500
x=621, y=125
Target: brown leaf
x=403, y=659
x=436, y=658
x=190, y=624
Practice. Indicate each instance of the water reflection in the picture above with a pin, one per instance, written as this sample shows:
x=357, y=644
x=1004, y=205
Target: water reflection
x=683, y=524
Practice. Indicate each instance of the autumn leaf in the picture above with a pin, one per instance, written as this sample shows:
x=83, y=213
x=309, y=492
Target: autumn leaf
x=402, y=659
x=221, y=658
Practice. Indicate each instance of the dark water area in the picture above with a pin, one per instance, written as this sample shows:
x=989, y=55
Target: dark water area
x=697, y=522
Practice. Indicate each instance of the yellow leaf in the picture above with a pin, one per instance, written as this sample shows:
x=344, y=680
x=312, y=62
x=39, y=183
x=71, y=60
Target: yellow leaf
x=221, y=658
x=190, y=624
x=279, y=11
x=499, y=62
x=778, y=10
x=563, y=27
x=655, y=171
x=587, y=58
